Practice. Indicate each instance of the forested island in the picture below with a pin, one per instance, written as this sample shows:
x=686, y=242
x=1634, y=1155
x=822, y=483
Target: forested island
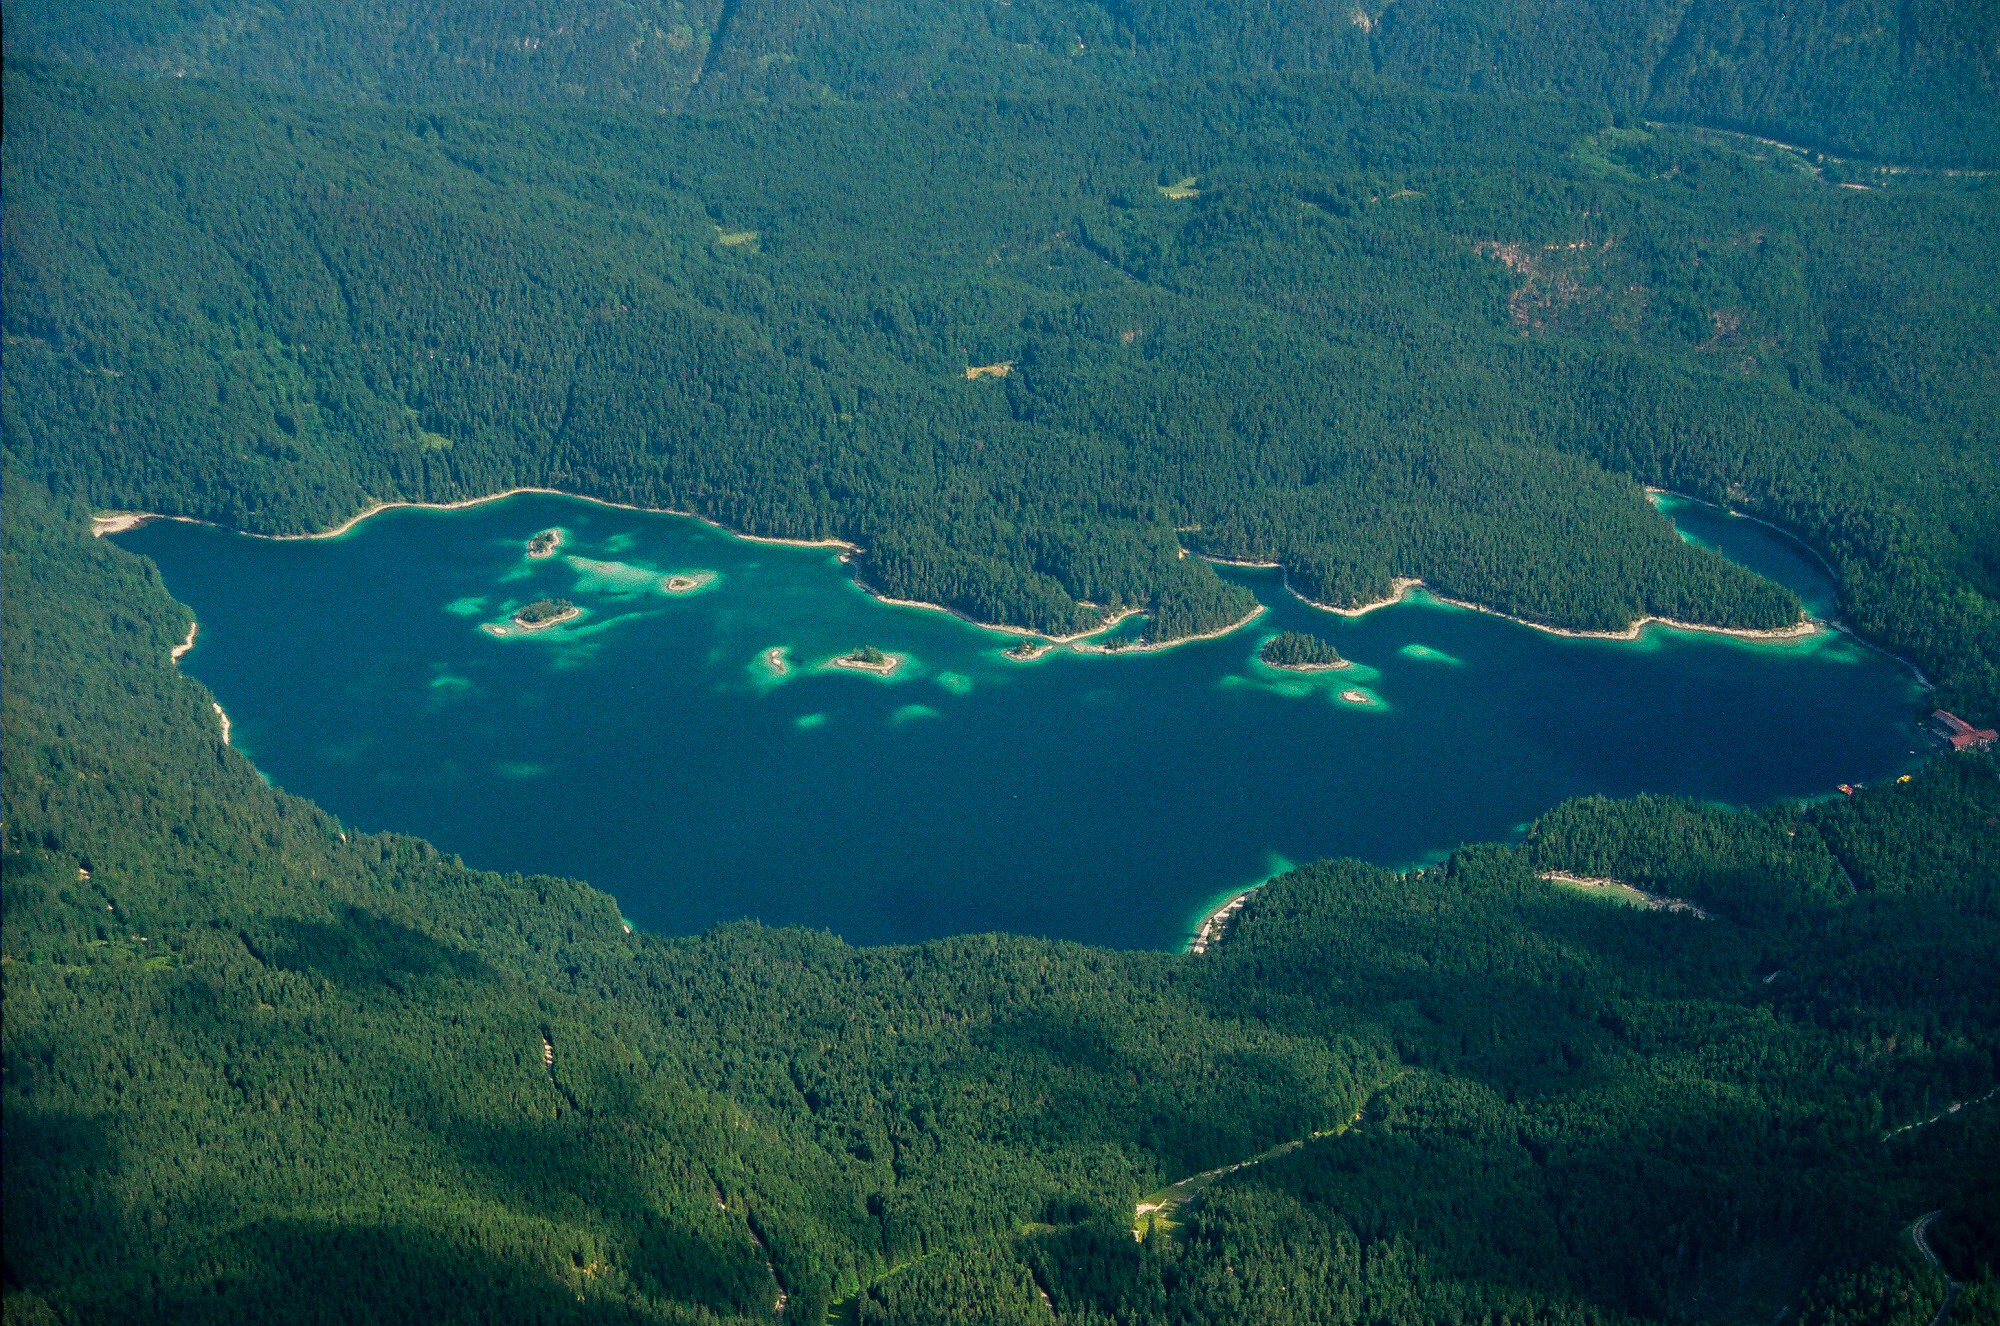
x=544, y=613
x=870, y=659
x=544, y=545
x=1402, y=291
x=1297, y=651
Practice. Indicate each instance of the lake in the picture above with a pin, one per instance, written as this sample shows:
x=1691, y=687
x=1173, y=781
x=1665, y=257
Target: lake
x=649, y=747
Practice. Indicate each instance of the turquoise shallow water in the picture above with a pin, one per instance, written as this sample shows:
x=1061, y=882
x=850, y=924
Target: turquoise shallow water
x=645, y=746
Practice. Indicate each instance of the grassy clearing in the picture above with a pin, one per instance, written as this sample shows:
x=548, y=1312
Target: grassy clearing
x=1615, y=890
x=1184, y=189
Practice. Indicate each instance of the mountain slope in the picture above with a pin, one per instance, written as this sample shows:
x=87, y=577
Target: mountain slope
x=1915, y=83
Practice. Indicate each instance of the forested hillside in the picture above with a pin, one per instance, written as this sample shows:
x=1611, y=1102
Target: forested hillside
x=260, y=1067
x=1383, y=334
x=1911, y=83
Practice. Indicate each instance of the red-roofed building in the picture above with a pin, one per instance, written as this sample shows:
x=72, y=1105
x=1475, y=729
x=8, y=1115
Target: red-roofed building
x=1961, y=734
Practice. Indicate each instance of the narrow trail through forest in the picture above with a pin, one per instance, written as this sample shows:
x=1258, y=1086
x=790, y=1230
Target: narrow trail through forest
x=1156, y=1206
x=1944, y=1113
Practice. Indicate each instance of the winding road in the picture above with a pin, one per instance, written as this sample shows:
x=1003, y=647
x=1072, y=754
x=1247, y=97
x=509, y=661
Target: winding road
x=1917, y=1232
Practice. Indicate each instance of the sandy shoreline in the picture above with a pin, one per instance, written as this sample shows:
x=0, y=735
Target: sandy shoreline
x=1403, y=587
x=1000, y=628
x=514, y=626
x=1399, y=589
x=117, y=522
x=887, y=668
x=1153, y=647
x=112, y=522
x=186, y=644
x=566, y=615
x=1307, y=667
x=1216, y=924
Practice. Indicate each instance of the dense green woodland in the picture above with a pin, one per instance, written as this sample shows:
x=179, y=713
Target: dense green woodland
x=1391, y=334
x=261, y=1067
x=1915, y=81
x=1280, y=305
x=1294, y=649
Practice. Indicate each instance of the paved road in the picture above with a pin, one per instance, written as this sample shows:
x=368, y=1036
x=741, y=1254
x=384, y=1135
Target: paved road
x=1917, y=1232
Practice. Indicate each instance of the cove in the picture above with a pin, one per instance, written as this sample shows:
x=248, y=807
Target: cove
x=655, y=746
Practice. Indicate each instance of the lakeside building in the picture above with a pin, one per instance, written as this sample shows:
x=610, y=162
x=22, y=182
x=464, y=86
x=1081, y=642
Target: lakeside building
x=1960, y=734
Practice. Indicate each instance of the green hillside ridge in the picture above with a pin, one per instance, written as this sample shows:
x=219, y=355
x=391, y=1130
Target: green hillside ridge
x=1903, y=83
x=262, y=1066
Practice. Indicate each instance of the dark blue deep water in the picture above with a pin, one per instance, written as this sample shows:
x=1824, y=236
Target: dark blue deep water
x=647, y=748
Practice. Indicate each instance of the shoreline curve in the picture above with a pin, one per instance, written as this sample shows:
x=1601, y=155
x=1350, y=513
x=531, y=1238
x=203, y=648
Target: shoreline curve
x=117, y=522
x=1402, y=587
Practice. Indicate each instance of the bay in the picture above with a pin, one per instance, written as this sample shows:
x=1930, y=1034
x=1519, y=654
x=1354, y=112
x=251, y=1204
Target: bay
x=649, y=747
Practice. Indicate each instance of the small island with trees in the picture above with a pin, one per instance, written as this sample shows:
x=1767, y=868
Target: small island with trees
x=687, y=582
x=1296, y=651
x=545, y=544
x=544, y=613
x=1029, y=648
x=870, y=659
